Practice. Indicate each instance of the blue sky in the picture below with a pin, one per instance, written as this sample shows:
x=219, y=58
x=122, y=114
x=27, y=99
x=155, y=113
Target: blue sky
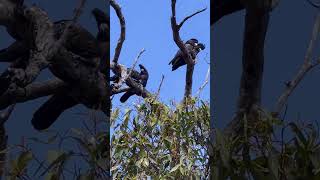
x=148, y=26
x=287, y=39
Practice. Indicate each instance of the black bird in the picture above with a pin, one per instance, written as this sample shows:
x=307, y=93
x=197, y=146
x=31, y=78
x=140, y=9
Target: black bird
x=79, y=40
x=49, y=112
x=192, y=47
x=103, y=37
x=103, y=25
x=141, y=79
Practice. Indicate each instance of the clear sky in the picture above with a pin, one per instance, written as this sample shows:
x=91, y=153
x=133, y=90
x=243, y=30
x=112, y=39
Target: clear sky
x=148, y=26
x=287, y=39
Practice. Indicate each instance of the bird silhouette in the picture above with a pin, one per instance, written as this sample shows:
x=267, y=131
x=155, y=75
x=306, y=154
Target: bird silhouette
x=141, y=79
x=193, y=49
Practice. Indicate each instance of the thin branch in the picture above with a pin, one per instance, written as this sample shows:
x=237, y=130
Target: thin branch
x=135, y=63
x=4, y=116
x=190, y=16
x=77, y=12
x=124, y=74
x=30, y=92
x=187, y=57
x=119, y=69
x=176, y=35
x=159, y=88
x=122, y=37
x=304, y=69
x=316, y=5
x=205, y=82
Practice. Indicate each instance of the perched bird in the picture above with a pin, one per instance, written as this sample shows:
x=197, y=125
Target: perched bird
x=49, y=112
x=79, y=41
x=103, y=37
x=103, y=25
x=192, y=47
x=141, y=79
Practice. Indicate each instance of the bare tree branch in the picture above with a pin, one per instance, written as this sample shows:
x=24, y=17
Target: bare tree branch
x=30, y=92
x=138, y=88
x=134, y=64
x=159, y=88
x=4, y=116
x=122, y=37
x=304, y=69
x=316, y=5
x=187, y=57
x=205, y=82
x=190, y=16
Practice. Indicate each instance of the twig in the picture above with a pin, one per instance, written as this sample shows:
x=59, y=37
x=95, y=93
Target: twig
x=205, y=82
x=124, y=72
x=304, y=69
x=159, y=88
x=316, y=5
x=76, y=15
x=4, y=116
x=135, y=63
x=190, y=16
x=187, y=57
x=119, y=69
x=122, y=37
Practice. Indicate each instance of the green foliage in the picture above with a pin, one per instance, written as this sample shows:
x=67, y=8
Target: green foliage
x=90, y=152
x=161, y=141
x=295, y=155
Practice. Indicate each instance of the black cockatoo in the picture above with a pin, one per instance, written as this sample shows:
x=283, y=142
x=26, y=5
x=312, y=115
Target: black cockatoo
x=103, y=25
x=49, y=112
x=193, y=48
x=103, y=37
x=82, y=43
x=141, y=79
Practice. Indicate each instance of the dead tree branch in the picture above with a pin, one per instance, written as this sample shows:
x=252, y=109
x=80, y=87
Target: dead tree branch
x=46, y=42
x=177, y=39
x=31, y=92
x=304, y=69
x=316, y=5
x=206, y=81
x=122, y=37
x=159, y=88
x=4, y=116
x=120, y=70
x=190, y=16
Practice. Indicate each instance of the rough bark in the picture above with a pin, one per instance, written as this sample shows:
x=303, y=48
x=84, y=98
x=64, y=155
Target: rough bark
x=256, y=24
